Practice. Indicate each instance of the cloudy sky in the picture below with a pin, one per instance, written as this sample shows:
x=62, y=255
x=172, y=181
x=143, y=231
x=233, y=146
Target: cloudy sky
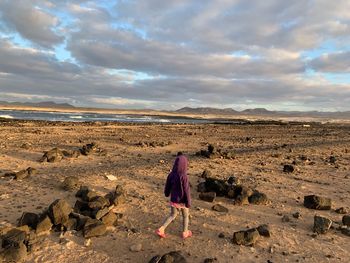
x=281, y=55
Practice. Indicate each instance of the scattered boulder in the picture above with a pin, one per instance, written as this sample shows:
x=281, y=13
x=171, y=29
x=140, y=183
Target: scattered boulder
x=94, y=228
x=246, y=237
x=208, y=197
x=54, y=155
x=171, y=257
x=317, y=202
x=29, y=219
x=288, y=168
x=321, y=224
x=232, y=180
x=220, y=208
x=220, y=187
x=117, y=197
x=98, y=203
x=21, y=174
x=258, y=198
x=71, y=183
x=264, y=230
x=296, y=215
x=346, y=220
x=59, y=211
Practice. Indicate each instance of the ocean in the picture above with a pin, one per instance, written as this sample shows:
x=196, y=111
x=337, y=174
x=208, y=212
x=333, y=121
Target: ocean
x=84, y=116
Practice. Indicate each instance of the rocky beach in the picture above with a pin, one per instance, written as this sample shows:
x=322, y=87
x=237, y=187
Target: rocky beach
x=93, y=192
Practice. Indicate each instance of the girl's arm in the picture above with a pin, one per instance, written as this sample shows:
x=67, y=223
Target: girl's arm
x=167, y=188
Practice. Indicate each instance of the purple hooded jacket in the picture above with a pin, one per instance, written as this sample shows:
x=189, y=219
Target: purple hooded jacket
x=177, y=184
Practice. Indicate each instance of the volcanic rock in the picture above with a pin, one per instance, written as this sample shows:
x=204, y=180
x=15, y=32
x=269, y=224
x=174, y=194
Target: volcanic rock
x=288, y=168
x=110, y=219
x=171, y=257
x=71, y=183
x=94, y=228
x=246, y=237
x=220, y=208
x=16, y=253
x=346, y=220
x=258, y=198
x=29, y=219
x=317, y=202
x=264, y=230
x=321, y=224
x=59, y=211
x=44, y=225
x=54, y=155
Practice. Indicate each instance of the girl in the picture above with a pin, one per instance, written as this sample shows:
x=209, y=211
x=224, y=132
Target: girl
x=177, y=186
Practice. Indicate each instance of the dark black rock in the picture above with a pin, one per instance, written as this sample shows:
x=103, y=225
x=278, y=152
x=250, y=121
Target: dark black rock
x=208, y=197
x=288, y=168
x=321, y=224
x=346, y=220
x=29, y=219
x=246, y=237
x=220, y=187
x=264, y=230
x=317, y=202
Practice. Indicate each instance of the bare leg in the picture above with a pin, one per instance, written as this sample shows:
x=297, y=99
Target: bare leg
x=169, y=219
x=185, y=217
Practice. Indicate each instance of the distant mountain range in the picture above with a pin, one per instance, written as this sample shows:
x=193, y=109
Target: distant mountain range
x=205, y=110
x=44, y=104
x=265, y=112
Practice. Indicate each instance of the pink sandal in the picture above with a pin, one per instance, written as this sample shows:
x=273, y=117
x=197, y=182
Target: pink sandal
x=186, y=234
x=160, y=234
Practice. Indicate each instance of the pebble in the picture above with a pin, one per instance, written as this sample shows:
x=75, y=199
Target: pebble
x=136, y=247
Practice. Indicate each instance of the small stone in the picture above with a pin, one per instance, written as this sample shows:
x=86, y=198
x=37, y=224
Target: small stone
x=208, y=197
x=220, y=208
x=221, y=235
x=288, y=168
x=321, y=224
x=136, y=248
x=297, y=215
x=209, y=260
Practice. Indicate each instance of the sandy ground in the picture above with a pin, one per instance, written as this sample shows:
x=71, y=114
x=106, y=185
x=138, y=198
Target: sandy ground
x=143, y=170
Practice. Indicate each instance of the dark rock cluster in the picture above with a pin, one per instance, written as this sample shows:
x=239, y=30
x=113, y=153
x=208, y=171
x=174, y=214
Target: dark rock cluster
x=92, y=214
x=21, y=174
x=230, y=188
x=212, y=152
